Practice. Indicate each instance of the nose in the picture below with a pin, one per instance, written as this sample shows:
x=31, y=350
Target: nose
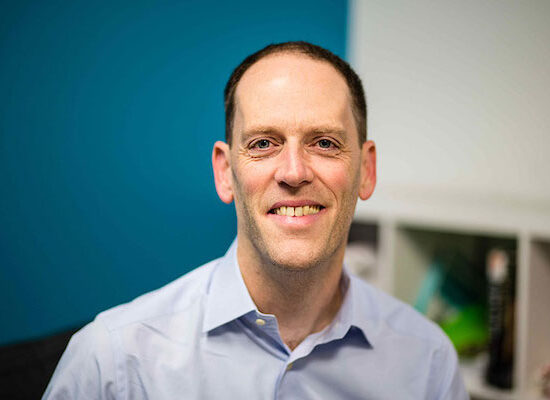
x=294, y=167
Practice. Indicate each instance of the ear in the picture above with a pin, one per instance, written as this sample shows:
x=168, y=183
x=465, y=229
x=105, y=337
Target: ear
x=368, y=170
x=221, y=164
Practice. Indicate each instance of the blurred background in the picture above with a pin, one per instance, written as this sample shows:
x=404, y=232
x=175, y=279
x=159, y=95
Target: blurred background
x=108, y=114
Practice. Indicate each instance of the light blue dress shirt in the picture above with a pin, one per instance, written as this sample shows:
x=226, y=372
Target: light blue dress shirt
x=202, y=337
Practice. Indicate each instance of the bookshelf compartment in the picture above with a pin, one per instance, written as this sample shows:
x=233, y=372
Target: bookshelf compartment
x=362, y=253
x=443, y=274
x=416, y=249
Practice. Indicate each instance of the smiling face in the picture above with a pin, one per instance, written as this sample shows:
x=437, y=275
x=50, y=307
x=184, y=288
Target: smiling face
x=295, y=167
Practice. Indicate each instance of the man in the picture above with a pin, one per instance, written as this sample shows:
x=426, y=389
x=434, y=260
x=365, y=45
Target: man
x=278, y=316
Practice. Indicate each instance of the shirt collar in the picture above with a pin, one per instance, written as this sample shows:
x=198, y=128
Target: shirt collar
x=227, y=296
x=228, y=299
x=358, y=309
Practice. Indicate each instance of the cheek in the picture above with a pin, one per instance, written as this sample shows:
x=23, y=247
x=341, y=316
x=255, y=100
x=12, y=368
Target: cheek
x=340, y=179
x=249, y=180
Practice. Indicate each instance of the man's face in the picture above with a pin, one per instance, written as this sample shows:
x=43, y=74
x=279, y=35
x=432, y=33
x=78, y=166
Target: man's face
x=295, y=166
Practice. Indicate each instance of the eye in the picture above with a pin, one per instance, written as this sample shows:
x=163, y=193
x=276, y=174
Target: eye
x=262, y=147
x=262, y=144
x=326, y=144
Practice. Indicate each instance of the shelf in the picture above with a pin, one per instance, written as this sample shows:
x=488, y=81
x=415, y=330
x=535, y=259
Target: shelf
x=472, y=372
x=537, y=321
x=429, y=207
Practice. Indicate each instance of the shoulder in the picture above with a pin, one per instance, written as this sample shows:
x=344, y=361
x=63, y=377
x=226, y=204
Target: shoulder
x=95, y=350
x=403, y=337
x=390, y=314
x=176, y=296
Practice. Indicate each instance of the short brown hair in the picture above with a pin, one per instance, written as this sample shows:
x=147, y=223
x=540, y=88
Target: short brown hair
x=317, y=53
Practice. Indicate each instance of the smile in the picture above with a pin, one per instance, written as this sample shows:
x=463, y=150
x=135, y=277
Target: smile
x=296, y=211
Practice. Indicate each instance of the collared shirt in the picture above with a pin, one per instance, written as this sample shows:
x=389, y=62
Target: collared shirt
x=202, y=337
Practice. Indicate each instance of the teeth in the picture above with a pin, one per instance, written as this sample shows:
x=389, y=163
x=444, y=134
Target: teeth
x=297, y=211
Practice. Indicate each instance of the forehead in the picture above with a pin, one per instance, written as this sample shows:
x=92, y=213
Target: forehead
x=292, y=91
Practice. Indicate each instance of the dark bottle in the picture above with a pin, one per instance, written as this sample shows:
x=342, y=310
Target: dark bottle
x=500, y=277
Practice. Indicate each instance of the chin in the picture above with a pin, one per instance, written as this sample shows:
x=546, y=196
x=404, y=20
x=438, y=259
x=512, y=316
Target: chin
x=294, y=265
x=297, y=258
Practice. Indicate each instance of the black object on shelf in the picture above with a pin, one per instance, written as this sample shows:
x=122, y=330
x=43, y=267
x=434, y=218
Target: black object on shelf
x=501, y=299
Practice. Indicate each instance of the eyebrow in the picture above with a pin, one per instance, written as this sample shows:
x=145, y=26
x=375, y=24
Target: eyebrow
x=258, y=130
x=326, y=129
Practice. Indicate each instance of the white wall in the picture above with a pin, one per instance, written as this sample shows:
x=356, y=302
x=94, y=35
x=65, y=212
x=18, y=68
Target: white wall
x=459, y=97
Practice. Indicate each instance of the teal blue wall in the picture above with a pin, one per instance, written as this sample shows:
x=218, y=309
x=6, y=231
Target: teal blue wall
x=108, y=113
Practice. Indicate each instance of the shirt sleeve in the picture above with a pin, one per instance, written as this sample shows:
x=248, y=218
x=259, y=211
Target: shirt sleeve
x=87, y=368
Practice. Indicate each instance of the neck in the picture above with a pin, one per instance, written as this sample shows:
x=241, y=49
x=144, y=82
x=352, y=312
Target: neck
x=304, y=301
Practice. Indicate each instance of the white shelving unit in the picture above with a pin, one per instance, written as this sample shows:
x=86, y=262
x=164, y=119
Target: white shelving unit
x=410, y=230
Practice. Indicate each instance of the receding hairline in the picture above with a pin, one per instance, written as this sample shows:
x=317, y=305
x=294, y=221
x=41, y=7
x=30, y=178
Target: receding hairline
x=313, y=52
x=298, y=54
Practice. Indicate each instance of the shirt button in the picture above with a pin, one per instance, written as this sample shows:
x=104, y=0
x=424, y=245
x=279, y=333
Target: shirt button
x=260, y=322
x=289, y=366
